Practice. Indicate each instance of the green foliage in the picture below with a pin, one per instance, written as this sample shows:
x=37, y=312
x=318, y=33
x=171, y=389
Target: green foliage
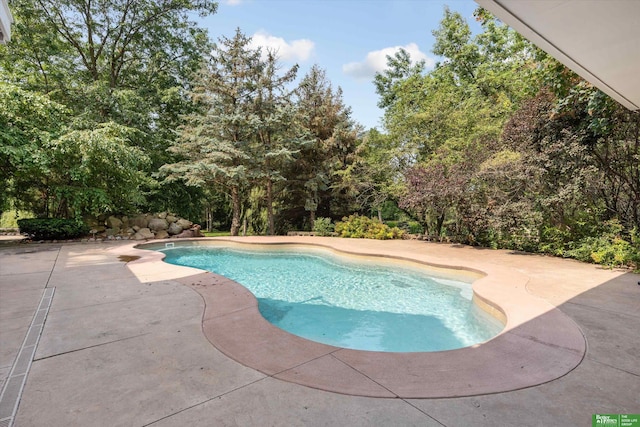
x=255, y=214
x=323, y=226
x=86, y=69
x=29, y=122
x=243, y=134
x=411, y=227
x=315, y=180
x=499, y=145
x=356, y=226
x=52, y=228
x=400, y=68
x=98, y=170
x=610, y=248
x=9, y=219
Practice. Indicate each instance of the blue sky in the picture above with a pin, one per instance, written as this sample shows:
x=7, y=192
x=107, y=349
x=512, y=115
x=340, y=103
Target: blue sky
x=348, y=38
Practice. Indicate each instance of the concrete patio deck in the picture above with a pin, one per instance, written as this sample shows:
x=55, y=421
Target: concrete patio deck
x=124, y=346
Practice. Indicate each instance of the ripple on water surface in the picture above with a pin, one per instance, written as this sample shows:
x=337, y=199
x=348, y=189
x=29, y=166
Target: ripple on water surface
x=358, y=304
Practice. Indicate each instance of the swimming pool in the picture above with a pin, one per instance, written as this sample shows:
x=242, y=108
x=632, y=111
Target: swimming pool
x=365, y=304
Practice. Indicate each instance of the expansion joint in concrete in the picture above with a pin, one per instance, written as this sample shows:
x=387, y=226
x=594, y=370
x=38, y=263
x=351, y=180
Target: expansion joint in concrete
x=90, y=347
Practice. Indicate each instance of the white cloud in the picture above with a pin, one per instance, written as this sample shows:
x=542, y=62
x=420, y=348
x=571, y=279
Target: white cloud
x=376, y=61
x=233, y=2
x=296, y=50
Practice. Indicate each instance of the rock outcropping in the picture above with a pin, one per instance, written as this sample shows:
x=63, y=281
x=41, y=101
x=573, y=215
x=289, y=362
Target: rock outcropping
x=142, y=227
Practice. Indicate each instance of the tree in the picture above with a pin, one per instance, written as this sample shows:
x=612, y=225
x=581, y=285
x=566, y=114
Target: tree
x=120, y=43
x=29, y=122
x=215, y=142
x=278, y=135
x=55, y=171
x=95, y=171
x=432, y=190
x=121, y=62
x=586, y=148
x=373, y=177
x=443, y=124
x=333, y=139
x=399, y=69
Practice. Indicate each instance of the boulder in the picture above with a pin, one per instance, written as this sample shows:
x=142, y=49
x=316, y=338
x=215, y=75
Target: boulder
x=171, y=218
x=92, y=222
x=162, y=234
x=184, y=223
x=139, y=221
x=143, y=234
x=192, y=232
x=113, y=222
x=157, y=224
x=109, y=232
x=174, y=228
x=162, y=215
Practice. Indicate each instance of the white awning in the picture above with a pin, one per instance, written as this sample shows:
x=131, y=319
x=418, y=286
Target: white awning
x=598, y=39
x=5, y=22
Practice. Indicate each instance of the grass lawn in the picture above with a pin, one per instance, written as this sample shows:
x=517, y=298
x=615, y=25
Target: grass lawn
x=216, y=233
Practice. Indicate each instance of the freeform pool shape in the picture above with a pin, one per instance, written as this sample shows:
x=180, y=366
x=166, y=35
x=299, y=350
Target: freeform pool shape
x=362, y=304
x=538, y=344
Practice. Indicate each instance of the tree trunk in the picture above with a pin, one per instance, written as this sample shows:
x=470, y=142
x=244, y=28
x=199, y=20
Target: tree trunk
x=439, y=225
x=312, y=218
x=379, y=215
x=271, y=227
x=235, y=202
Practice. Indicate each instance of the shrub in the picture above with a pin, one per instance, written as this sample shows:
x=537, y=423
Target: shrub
x=610, y=249
x=323, y=226
x=356, y=226
x=52, y=228
x=411, y=227
x=554, y=240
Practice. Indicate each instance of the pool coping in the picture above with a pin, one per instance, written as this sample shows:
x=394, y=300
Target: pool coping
x=538, y=344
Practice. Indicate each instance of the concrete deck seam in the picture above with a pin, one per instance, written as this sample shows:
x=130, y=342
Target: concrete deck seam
x=613, y=367
x=291, y=367
x=220, y=396
x=89, y=347
x=332, y=354
x=14, y=384
x=218, y=316
x=420, y=410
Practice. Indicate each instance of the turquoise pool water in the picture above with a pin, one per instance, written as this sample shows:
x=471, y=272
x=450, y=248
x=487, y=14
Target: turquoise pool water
x=357, y=304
